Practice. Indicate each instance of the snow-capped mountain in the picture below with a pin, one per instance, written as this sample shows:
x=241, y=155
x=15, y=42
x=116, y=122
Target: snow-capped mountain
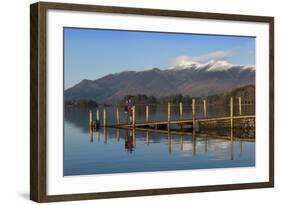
x=186, y=77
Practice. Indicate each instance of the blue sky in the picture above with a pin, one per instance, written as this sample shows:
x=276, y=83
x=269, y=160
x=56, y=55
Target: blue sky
x=92, y=53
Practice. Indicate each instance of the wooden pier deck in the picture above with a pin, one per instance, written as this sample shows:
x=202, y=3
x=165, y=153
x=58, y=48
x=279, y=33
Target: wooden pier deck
x=182, y=121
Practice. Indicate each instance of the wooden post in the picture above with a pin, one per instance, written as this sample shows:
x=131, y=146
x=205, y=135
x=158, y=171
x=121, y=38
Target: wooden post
x=98, y=115
x=231, y=112
x=134, y=116
x=117, y=116
x=205, y=108
x=104, y=117
x=91, y=118
x=193, y=114
x=169, y=116
x=181, y=115
x=240, y=105
x=146, y=113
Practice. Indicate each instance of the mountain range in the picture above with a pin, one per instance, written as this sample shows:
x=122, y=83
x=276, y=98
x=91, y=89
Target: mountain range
x=193, y=79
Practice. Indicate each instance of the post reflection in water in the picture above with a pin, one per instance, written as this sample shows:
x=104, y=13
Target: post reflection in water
x=105, y=135
x=206, y=143
x=98, y=136
x=118, y=134
x=91, y=134
x=194, y=142
x=147, y=138
x=181, y=147
x=170, y=142
x=241, y=149
x=134, y=138
x=231, y=145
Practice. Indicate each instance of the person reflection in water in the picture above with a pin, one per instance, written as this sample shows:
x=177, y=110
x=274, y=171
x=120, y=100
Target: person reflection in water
x=129, y=143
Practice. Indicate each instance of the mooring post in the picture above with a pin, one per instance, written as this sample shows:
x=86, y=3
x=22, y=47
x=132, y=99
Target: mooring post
x=169, y=116
x=146, y=113
x=98, y=115
x=205, y=108
x=117, y=116
x=240, y=105
x=193, y=114
x=134, y=116
x=91, y=118
x=181, y=115
x=104, y=117
x=231, y=112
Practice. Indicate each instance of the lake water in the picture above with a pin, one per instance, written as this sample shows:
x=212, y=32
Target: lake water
x=121, y=151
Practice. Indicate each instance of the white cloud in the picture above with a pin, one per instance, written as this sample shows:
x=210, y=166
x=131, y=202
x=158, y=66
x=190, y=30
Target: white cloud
x=214, y=61
x=216, y=55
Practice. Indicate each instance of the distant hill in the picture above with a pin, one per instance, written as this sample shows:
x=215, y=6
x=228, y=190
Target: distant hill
x=247, y=94
x=195, y=80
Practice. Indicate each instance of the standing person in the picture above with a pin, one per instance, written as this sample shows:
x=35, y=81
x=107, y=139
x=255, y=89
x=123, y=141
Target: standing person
x=130, y=109
x=126, y=108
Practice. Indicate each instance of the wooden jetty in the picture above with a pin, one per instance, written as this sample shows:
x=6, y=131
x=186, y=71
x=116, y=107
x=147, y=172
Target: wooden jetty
x=231, y=121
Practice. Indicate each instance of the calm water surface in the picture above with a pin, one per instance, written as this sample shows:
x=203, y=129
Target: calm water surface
x=121, y=151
